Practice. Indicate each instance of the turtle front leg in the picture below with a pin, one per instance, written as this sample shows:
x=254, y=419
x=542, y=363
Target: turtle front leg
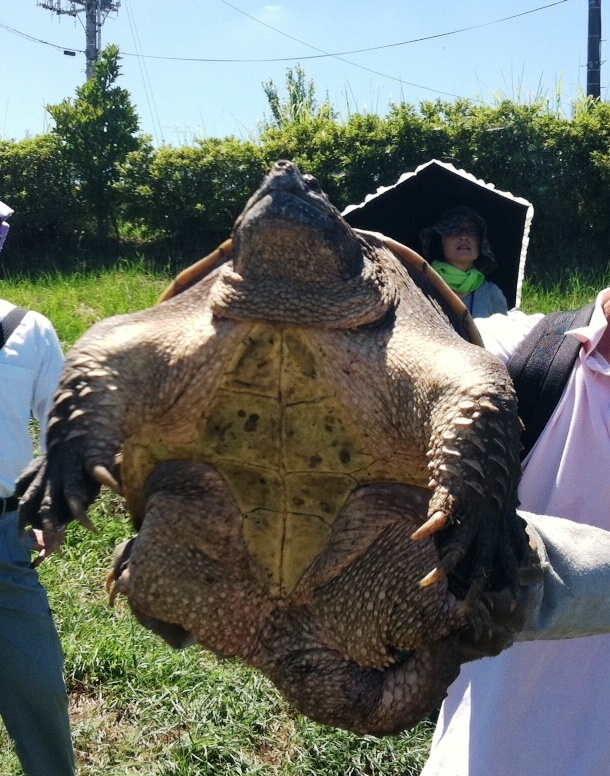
x=101, y=399
x=474, y=465
x=84, y=436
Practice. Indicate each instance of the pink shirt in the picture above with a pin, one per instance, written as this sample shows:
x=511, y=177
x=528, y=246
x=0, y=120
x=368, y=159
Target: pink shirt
x=541, y=708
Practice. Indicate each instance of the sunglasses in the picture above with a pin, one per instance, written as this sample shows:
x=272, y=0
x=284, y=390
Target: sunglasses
x=470, y=229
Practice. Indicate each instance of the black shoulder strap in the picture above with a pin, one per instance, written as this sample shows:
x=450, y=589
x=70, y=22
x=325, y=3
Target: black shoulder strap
x=540, y=368
x=9, y=323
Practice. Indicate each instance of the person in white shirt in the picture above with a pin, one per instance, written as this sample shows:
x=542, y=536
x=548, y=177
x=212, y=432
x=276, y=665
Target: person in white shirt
x=33, y=697
x=541, y=707
x=5, y=212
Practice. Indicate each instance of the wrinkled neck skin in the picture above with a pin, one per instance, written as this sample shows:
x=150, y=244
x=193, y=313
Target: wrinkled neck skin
x=298, y=263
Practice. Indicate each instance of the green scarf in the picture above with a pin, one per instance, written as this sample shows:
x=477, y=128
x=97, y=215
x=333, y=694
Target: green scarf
x=462, y=282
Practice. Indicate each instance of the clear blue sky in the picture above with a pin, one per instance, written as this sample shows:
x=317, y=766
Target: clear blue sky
x=535, y=53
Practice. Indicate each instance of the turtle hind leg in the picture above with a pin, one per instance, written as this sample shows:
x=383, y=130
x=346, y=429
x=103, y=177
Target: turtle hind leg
x=320, y=683
x=117, y=581
x=365, y=591
x=188, y=570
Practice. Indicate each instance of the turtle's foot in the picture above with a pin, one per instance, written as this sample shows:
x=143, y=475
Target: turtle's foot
x=53, y=494
x=480, y=545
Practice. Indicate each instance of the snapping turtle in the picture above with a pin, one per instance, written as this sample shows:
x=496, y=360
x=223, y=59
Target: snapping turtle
x=321, y=471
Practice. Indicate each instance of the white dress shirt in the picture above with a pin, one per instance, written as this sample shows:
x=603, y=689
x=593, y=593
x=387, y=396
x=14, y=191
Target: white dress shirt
x=30, y=365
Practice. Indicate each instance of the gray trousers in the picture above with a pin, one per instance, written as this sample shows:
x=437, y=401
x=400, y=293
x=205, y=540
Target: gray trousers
x=33, y=697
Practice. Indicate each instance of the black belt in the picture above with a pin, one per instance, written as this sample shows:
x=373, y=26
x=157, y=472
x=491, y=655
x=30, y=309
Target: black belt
x=10, y=504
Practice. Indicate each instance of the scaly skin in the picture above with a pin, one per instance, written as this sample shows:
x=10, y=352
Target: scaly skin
x=280, y=429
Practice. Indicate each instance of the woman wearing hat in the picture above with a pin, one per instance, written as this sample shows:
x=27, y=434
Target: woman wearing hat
x=458, y=249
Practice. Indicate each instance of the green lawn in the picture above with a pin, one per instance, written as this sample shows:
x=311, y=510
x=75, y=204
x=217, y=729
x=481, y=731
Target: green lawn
x=137, y=706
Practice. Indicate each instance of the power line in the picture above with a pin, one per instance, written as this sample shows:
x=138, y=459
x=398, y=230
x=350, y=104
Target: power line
x=372, y=48
x=148, y=91
x=320, y=55
x=39, y=40
x=340, y=55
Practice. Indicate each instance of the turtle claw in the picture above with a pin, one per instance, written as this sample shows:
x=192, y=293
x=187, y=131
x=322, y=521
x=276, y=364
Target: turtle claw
x=475, y=592
x=118, y=575
x=114, y=585
x=432, y=577
x=80, y=513
x=479, y=619
x=102, y=475
x=110, y=580
x=436, y=522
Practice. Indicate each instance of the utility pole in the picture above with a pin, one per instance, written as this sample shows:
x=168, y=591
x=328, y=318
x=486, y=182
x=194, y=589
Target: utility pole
x=95, y=12
x=594, y=49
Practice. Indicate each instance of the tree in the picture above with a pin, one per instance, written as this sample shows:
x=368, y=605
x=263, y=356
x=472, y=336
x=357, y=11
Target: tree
x=190, y=195
x=300, y=106
x=97, y=131
x=35, y=182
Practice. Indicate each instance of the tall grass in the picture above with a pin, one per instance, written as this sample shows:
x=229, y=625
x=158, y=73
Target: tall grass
x=568, y=293
x=139, y=707
x=74, y=302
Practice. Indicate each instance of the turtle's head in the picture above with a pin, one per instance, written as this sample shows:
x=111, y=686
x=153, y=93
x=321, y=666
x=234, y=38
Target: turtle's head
x=290, y=229
x=295, y=260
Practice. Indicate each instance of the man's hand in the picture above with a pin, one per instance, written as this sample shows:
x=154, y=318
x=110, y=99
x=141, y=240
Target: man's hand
x=46, y=542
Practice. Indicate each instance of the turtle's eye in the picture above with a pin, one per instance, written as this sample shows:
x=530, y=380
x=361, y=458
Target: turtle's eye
x=312, y=183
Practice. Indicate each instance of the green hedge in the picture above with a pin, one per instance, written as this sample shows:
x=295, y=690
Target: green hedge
x=176, y=204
